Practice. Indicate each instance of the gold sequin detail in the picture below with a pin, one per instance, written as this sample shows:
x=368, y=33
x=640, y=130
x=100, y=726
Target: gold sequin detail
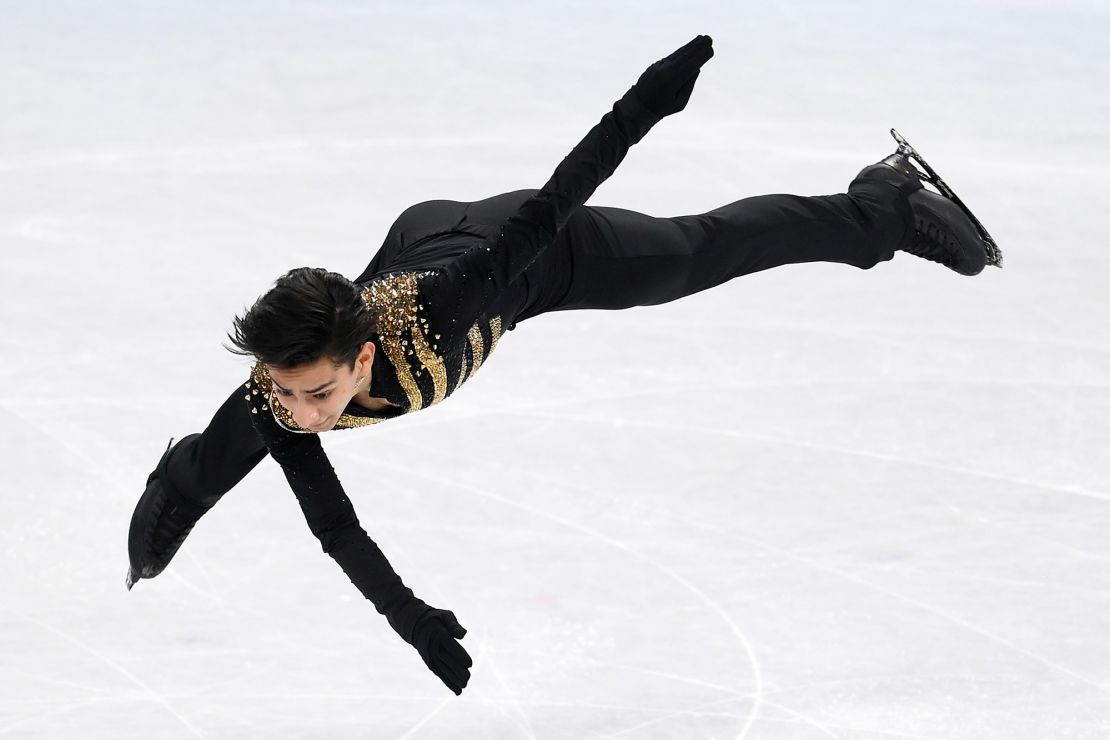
x=494, y=332
x=477, y=344
x=395, y=300
x=433, y=362
x=261, y=377
x=413, y=346
x=462, y=372
x=350, y=421
x=478, y=351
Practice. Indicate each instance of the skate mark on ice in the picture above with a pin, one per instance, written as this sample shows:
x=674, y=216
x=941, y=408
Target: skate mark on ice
x=425, y=719
x=853, y=451
x=1045, y=585
x=701, y=710
x=713, y=605
x=1068, y=548
x=698, y=710
x=982, y=632
x=211, y=595
x=523, y=722
x=520, y=718
x=112, y=478
x=889, y=458
x=157, y=697
x=537, y=410
x=735, y=694
x=68, y=707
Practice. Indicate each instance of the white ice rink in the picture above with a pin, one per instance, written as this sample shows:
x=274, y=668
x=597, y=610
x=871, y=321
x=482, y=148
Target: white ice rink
x=816, y=502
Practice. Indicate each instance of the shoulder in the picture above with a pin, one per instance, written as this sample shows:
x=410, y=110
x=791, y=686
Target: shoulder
x=396, y=299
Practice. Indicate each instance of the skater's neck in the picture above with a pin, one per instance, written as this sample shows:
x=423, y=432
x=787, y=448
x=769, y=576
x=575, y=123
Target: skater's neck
x=373, y=403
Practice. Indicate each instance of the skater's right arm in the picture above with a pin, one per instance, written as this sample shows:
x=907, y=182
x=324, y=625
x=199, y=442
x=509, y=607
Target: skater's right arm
x=331, y=517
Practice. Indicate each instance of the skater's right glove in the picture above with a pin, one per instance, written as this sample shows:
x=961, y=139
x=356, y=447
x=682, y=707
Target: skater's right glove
x=665, y=87
x=435, y=634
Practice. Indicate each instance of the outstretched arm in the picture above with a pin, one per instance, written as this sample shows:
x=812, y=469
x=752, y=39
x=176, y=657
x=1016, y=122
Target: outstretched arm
x=663, y=89
x=331, y=517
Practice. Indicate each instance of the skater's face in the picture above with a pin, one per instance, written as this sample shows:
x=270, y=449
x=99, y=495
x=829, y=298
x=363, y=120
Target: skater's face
x=317, y=393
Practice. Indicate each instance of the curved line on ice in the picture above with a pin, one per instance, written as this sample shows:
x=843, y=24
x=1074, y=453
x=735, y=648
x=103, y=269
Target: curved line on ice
x=113, y=664
x=756, y=694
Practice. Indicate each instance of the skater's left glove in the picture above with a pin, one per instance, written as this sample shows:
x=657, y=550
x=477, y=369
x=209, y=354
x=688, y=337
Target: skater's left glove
x=435, y=634
x=665, y=87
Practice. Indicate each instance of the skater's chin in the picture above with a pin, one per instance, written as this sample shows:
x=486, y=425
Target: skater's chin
x=326, y=426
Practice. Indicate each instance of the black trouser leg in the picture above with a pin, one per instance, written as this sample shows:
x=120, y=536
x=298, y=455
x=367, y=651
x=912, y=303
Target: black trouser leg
x=611, y=258
x=205, y=467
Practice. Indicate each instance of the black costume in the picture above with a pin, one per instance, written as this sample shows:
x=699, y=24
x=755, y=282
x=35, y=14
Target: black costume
x=450, y=277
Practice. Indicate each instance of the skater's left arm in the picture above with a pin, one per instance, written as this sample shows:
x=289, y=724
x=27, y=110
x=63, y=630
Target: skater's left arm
x=331, y=517
x=490, y=267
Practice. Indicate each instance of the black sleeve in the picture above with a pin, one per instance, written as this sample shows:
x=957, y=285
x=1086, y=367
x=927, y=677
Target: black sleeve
x=326, y=508
x=473, y=279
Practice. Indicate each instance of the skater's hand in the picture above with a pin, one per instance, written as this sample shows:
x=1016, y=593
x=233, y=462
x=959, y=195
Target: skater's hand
x=436, y=637
x=665, y=87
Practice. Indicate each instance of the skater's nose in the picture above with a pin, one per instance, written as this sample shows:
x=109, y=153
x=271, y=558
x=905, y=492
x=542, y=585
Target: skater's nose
x=310, y=419
x=306, y=415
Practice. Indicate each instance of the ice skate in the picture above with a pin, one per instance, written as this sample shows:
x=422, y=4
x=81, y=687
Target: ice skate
x=160, y=524
x=945, y=230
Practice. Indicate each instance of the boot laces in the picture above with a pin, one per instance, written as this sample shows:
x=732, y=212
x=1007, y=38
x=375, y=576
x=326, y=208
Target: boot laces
x=933, y=243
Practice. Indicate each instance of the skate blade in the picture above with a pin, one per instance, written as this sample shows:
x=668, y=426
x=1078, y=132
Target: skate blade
x=994, y=254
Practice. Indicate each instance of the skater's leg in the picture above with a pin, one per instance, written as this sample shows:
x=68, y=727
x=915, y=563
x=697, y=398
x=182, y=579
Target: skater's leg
x=612, y=258
x=202, y=468
x=188, y=480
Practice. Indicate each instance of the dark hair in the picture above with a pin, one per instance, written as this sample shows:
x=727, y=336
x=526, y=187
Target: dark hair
x=309, y=313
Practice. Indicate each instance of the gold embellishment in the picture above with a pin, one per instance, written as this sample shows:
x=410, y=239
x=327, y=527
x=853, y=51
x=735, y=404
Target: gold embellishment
x=283, y=416
x=477, y=344
x=431, y=362
x=404, y=375
x=411, y=344
x=494, y=332
x=462, y=372
x=350, y=421
x=395, y=300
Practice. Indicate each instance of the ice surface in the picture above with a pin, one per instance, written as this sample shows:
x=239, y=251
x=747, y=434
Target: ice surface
x=815, y=502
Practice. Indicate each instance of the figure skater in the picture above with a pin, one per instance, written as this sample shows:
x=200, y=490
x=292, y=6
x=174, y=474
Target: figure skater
x=426, y=313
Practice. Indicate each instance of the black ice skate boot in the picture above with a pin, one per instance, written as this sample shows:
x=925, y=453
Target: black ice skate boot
x=945, y=230
x=161, y=522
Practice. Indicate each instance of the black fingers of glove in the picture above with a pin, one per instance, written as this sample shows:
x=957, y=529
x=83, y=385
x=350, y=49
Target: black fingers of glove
x=436, y=638
x=665, y=87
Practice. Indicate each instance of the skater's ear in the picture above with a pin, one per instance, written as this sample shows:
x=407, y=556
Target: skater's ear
x=366, y=356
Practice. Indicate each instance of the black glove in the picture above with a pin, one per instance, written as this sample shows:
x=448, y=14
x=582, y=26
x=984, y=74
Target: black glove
x=434, y=633
x=161, y=522
x=665, y=87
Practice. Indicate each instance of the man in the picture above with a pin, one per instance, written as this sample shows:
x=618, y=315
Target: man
x=427, y=312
